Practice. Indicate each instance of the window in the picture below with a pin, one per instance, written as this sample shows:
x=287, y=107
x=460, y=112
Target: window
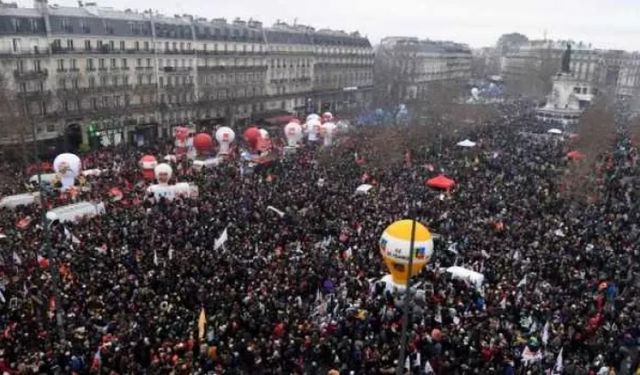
x=90, y=66
x=122, y=45
x=87, y=45
x=138, y=62
x=115, y=81
x=74, y=83
x=20, y=66
x=60, y=65
x=181, y=46
x=113, y=64
x=175, y=46
x=161, y=80
x=16, y=45
x=105, y=101
x=101, y=64
x=92, y=82
x=94, y=103
x=103, y=81
x=139, y=80
x=125, y=80
x=70, y=44
x=188, y=46
x=23, y=87
x=146, y=46
x=137, y=46
x=74, y=64
x=62, y=84
x=166, y=46
x=112, y=45
x=99, y=44
x=124, y=64
x=148, y=63
x=36, y=65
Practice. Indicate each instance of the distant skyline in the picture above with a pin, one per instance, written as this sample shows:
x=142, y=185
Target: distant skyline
x=606, y=24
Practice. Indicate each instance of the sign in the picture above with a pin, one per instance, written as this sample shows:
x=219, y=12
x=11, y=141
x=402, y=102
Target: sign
x=170, y=192
x=13, y=201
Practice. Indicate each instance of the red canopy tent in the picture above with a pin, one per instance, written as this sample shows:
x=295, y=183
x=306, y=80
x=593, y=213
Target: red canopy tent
x=575, y=155
x=441, y=182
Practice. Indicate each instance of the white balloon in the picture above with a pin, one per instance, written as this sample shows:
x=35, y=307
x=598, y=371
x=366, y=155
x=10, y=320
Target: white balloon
x=68, y=167
x=293, y=132
x=264, y=134
x=163, y=173
x=225, y=136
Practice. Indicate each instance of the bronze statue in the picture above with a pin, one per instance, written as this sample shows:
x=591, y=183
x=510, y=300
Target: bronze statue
x=566, y=60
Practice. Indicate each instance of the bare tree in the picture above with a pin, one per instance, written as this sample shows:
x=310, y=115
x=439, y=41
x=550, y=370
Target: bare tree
x=596, y=136
x=13, y=118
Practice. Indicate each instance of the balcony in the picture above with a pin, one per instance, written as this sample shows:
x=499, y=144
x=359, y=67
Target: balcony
x=35, y=95
x=30, y=75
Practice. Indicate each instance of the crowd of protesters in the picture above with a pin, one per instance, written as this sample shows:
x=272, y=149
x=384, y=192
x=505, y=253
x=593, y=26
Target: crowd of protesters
x=296, y=293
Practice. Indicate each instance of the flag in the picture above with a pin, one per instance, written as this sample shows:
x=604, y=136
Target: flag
x=70, y=236
x=277, y=211
x=557, y=369
x=545, y=333
x=427, y=368
x=23, y=223
x=347, y=253
x=101, y=249
x=522, y=282
x=171, y=253
x=155, y=258
x=97, y=359
x=219, y=242
x=453, y=248
x=42, y=261
x=2, y=299
x=16, y=259
x=202, y=322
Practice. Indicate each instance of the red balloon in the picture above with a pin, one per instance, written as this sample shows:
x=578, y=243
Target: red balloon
x=251, y=136
x=203, y=142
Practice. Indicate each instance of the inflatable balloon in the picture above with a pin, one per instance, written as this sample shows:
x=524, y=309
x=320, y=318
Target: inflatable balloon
x=225, y=136
x=68, y=167
x=395, y=248
x=252, y=136
x=313, y=116
x=264, y=134
x=181, y=142
x=163, y=173
x=313, y=129
x=203, y=143
x=293, y=133
x=148, y=163
x=327, y=116
x=328, y=129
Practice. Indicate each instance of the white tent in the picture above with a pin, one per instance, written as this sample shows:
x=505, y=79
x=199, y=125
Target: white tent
x=466, y=143
x=364, y=188
x=13, y=201
x=554, y=131
x=77, y=211
x=462, y=273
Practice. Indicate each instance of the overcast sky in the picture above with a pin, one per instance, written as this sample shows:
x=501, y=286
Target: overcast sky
x=603, y=23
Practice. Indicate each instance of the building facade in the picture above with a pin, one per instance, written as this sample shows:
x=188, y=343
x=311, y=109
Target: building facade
x=406, y=68
x=529, y=69
x=136, y=75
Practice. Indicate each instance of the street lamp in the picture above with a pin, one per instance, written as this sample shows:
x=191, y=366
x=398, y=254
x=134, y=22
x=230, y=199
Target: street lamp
x=50, y=218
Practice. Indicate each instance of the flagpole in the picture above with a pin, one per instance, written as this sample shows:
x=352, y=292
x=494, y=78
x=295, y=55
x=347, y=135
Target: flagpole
x=55, y=276
x=406, y=304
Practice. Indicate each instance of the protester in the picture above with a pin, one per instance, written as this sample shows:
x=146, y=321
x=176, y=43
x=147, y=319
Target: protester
x=296, y=293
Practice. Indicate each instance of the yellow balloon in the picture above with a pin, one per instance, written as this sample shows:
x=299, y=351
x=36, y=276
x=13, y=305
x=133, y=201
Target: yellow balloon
x=395, y=247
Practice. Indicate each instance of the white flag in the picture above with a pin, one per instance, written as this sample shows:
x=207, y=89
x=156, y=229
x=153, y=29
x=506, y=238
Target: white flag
x=453, y=248
x=557, y=369
x=2, y=297
x=155, y=257
x=522, y=282
x=16, y=259
x=70, y=236
x=219, y=242
x=427, y=368
x=277, y=211
x=171, y=253
x=545, y=333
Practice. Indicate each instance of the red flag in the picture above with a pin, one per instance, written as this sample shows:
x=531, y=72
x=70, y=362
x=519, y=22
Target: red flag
x=23, y=223
x=116, y=194
x=43, y=262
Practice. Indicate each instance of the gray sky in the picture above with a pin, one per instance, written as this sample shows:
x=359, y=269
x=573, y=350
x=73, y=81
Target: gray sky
x=604, y=23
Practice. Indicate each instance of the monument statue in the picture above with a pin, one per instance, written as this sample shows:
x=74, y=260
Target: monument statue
x=566, y=60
